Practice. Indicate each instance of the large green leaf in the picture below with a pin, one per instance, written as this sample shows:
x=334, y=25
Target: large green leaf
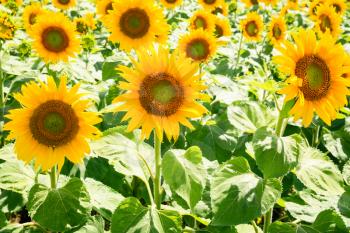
x=280, y=227
x=93, y=225
x=238, y=195
x=184, y=172
x=275, y=156
x=317, y=172
x=329, y=221
x=346, y=172
x=59, y=209
x=103, y=198
x=344, y=204
x=132, y=217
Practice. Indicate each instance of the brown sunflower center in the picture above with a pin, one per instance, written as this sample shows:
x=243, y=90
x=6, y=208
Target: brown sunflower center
x=337, y=8
x=134, y=23
x=32, y=18
x=276, y=31
x=219, y=32
x=254, y=2
x=315, y=75
x=251, y=28
x=325, y=23
x=54, y=123
x=170, y=1
x=198, y=49
x=109, y=7
x=161, y=94
x=200, y=22
x=217, y=10
x=55, y=39
x=209, y=1
x=64, y=2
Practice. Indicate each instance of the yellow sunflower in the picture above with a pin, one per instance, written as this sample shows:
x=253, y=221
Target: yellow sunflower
x=250, y=3
x=30, y=14
x=277, y=30
x=64, y=4
x=202, y=19
x=293, y=4
x=103, y=7
x=18, y=2
x=313, y=8
x=346, y=66
x=221, y=9
x=7, y=27
x=136, y=23
x=198, y=45
x=339, y=5
x=315, y=69
x=210, y=4
x=252, y=26
x=222, y=27
x=162, y=90
x=171, y=3
x=55, y=38
x=327, y=20
x=270, y=2
x=90, y=21
x=52, y=124
x=83, y=24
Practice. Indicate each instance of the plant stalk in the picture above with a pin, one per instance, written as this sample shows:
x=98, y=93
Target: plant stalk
x=157, y=178
x=316, y=136
x=2, y=101
x=267, y=220
x=53, y=177
x=239, y=51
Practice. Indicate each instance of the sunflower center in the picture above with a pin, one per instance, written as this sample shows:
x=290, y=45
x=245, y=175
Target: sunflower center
x=54, y=123
x=325, y=23
x=55, y=39
x=217, y=10
x=219, y=32
x=32, y=18
x=200, y=22
x=254, y=2
x=337, y=8
x=134, y=23
x=315, y=75
x=170, y=1
x=251, y=28
x=277, y=32
x=209, y=1
x=198, y=49
x=161, y=94
x=64, y=2
x=109, y=7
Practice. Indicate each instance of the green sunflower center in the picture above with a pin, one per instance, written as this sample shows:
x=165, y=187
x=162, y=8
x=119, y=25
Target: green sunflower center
x=209, y=1
x=64, y=2
x=161, y=94
x=200, y=22
x=251, y=28
x=55, y=39
x=54, y=123
x=134, y=23
x=315, y=75
x=198, y=49
x=325, y=23
x=277, y=32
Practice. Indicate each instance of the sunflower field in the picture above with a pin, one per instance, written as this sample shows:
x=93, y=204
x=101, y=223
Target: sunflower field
x=170, y=116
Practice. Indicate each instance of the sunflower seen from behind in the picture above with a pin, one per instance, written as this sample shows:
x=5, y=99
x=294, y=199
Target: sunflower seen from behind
x=202, y=19
x=52, y=124
x=277, y=30
x=30, y=14
x=162, y=90
x=55, y=38
x=252, y=26
x=171, y=4
x=64, y=4
x=198, y=45
x=315, y=77
x=136, y=23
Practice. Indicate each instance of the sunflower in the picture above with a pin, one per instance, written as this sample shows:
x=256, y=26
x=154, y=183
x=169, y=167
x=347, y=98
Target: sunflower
x=52, y=124
x=313, y=8
x=202, y=19
x=162, y=90
x=90, y=21
x=277, y=30
x=293, y=4
x=250, y=3
x=210, y=4
x=103, y=7
x=198, y=45
x=55, y=37
x=221, y=9
x=270, y=2
x=18, y=2
x=346, y=66
x=136, y=23
x=30, y=14
x=64, y=4
x=315, y=69
x=339, y=5
x=83, y=24
x=7, y=27
x=171, y=3
x=222, y=27
x=252, y=26
x=327, y=20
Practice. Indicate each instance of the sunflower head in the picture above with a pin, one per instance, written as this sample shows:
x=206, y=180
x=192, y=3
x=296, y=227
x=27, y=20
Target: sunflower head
x=252, y=26
x=136, y=24
x=162, y=90
x=171, y=4
x=51, y=124
x=222, y=27
x=277, y=30
x=270, y=2
x=338, y=5
x=293, y=4
x=250, y=3
x=210, y=4
x=55, y=38
x=202, y=19
x=103, y=7
x=64, y=4
x=328, y=21
x=30, y=14
x=7, y=27
x=198, y=45
x=315, y=76
x=313, y=8
x=81, y=25
x=221, y=9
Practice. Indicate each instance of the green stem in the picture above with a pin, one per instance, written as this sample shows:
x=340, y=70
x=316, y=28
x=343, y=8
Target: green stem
x=239, y=51
x=256, y=229
x=53, y=177
x=267, y=220
x=2, y=102
x=156, y=185
x=316, y=136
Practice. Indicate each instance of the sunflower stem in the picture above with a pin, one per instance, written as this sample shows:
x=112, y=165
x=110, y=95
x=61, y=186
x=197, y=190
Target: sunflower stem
x=2, y=102
x=53, y=177
x=316, y=136
x=256, y=229
x=239, y=51
x=267, y=220
x=156, y=184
